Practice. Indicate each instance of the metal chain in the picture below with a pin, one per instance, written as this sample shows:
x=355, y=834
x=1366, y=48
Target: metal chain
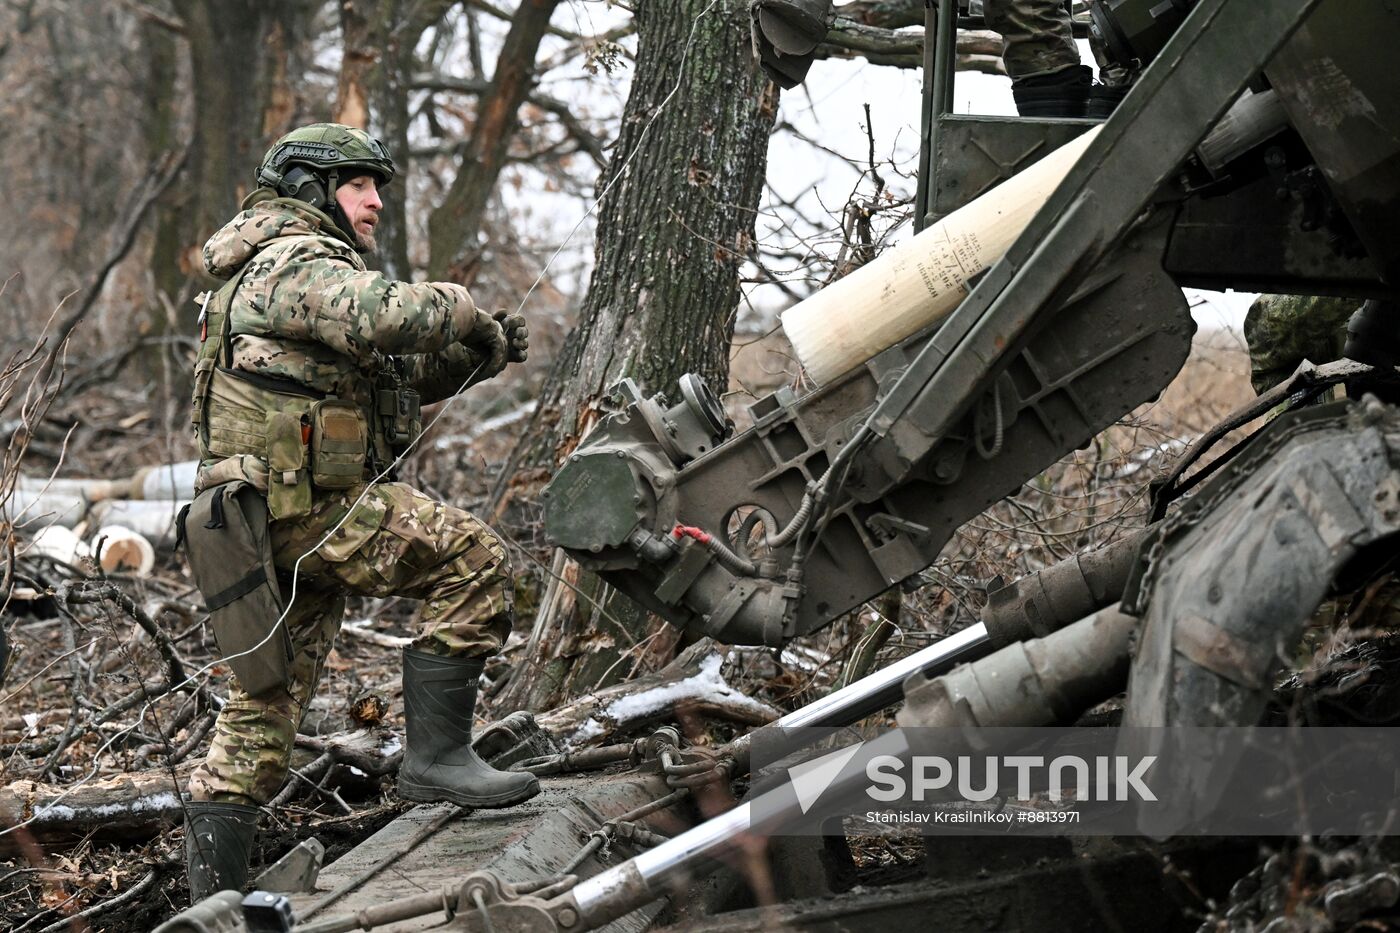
x=1193, y=511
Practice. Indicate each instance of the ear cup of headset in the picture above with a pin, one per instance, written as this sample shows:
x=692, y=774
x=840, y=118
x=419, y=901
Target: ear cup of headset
x=304, y=185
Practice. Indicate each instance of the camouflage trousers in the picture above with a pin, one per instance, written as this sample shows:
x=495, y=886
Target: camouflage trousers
x=395, y=541
x=1037, y=33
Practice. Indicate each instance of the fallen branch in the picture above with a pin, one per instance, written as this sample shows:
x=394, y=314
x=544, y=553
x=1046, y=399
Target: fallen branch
x=692, y=682
x=70, y=645
x=145, y=692
x=141, y=801
x=130, y=894
x=374, y=751
x=311, y=774
x=88, y=592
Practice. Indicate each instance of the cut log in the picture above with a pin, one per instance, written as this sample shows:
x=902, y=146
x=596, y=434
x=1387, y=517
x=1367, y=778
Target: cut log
x=125, y=550
x=167, y=481
x=130, y=804
x=31, y=509
x=153, y=520
x=91, y=490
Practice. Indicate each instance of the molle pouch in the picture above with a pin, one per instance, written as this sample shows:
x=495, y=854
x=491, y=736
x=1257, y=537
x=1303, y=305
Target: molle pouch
x=339, y=437
x=288, y=480
x=230, y=555
x=199, y=399
x=402, y=413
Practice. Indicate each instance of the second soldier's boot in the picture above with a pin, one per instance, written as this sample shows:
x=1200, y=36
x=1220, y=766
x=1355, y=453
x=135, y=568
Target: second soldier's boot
x=1063, y=93
x=218, y=841
x=439, y=763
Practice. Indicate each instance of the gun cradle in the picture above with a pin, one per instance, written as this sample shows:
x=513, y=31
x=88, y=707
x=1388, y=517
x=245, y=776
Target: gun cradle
x=618, y=501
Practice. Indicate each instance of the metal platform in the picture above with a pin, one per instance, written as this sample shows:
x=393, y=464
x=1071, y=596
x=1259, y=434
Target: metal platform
x=436, y=845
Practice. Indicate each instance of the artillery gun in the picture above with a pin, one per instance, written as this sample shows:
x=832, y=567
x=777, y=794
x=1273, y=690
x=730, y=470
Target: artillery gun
x=1259, y=150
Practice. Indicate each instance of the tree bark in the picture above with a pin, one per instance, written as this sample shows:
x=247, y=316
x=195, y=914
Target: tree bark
x=693, y=682
x=131, y=804
x=242, y=102
x=163, y=100
x=675, y=221
x=377, y=63
x=452, y=228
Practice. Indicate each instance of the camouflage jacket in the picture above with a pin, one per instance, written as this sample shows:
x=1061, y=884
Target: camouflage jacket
x=308, y=310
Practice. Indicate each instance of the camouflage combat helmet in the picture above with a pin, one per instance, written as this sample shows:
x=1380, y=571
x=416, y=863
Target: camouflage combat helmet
x=310, y=162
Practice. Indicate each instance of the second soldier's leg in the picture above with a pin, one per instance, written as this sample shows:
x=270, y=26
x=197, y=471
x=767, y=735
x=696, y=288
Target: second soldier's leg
x=1047, y=78
x=251, y=749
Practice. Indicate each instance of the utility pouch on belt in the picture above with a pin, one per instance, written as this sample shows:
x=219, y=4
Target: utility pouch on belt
x=288, y=479
x=230, y=554
x=401, y=412
x=339, y=436
x=398, y=411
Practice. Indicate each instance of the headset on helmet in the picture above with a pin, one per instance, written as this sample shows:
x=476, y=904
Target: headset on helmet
x=309, y=163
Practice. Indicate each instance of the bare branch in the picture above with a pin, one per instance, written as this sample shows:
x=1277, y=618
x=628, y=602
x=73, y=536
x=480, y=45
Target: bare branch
x=978, y=50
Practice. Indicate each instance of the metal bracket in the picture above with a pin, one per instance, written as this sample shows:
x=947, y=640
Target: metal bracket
x=296, y=871
x=694, y=559
x=486, y=904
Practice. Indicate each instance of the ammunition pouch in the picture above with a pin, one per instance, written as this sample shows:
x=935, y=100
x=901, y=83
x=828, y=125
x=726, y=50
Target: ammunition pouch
x=288, y=479
x=339, y=439
x=230, y=555
x=270, y=419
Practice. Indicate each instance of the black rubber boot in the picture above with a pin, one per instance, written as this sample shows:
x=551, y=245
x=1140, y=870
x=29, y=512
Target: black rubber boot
x=1104, y=99
x=218, y=841
x=1063, y=93
x=439, y=763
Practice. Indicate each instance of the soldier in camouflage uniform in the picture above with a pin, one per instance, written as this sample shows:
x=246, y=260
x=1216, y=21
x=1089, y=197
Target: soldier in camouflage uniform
x=306, y=321
x=1040, y=55
x=1047, y=79
x=1284, y=330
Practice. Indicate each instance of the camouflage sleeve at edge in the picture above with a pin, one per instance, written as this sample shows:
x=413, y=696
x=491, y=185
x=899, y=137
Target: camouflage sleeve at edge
x=357, y=312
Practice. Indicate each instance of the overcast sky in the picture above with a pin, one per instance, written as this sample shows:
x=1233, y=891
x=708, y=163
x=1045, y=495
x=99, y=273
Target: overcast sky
x=829, y=108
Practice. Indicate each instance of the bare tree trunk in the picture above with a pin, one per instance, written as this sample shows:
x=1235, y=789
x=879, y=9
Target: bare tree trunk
x=378, y=61
x=163, y=99
x=452, y=228
x=242, y=101
x=676, y=221
x=370, y=95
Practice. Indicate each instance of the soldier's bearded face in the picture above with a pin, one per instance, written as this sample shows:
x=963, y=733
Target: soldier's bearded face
x=359, y=199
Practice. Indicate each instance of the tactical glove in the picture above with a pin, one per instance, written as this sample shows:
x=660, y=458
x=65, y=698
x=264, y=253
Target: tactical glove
x=488, y=339
x=517, y=332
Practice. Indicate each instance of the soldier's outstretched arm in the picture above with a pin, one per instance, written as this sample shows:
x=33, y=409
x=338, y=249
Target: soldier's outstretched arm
x=357, y=312
x=441, y=375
